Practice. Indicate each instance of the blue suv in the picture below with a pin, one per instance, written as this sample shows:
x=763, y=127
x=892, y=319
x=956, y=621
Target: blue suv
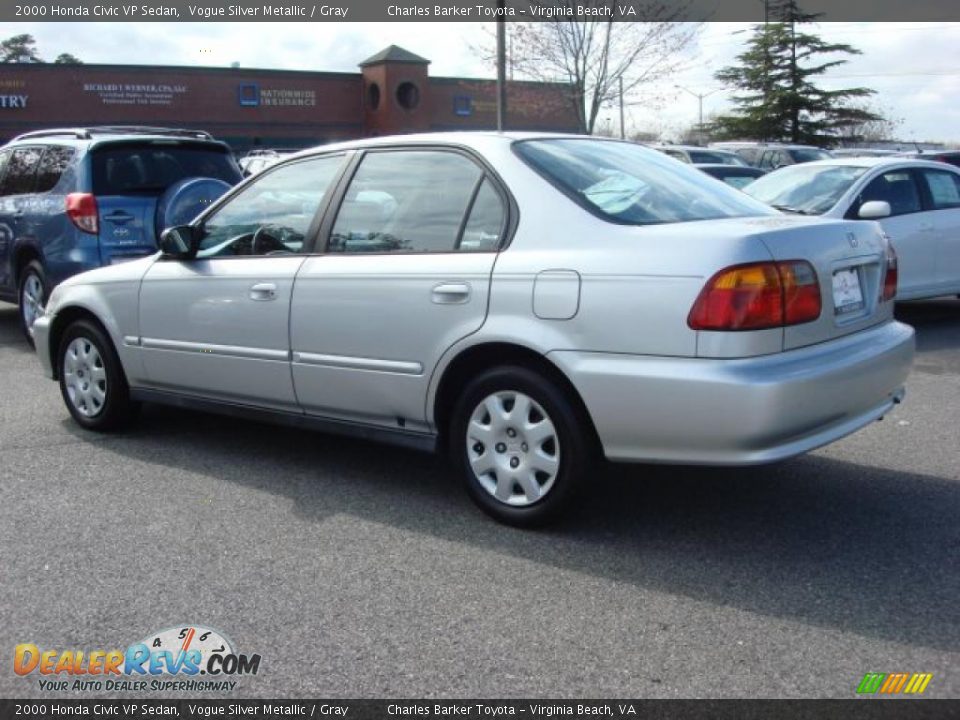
x=76, y=199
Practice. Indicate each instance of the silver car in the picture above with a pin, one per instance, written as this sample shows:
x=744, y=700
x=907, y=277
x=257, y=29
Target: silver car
x=525, y=303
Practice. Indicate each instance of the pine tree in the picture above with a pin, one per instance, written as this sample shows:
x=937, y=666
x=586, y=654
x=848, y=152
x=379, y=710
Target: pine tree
x=778, y=99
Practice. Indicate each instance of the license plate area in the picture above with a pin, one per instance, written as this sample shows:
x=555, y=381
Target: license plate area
x=847, y=292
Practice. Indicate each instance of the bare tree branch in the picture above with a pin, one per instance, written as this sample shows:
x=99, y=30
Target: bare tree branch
x=594, y=56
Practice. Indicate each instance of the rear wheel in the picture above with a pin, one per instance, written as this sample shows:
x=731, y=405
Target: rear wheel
x=92, y=382
x=521, y=446
x=32, y=297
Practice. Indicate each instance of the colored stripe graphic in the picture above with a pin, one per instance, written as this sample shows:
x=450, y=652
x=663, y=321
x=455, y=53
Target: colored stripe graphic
x=894, y=683
x=918, y=683
x=871, y=683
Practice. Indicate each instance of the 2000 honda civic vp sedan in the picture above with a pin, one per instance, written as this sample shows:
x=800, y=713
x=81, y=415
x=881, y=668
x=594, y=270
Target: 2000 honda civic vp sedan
x=523, y=302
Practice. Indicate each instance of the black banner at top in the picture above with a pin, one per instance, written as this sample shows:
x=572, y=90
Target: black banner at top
x=34, y=11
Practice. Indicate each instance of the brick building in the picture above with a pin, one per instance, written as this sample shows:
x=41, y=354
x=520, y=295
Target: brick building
x=392, y=93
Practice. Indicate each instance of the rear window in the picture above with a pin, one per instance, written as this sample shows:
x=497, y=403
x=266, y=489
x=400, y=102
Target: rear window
x=704, y=157
x=803, y=155
x=633, y=185
x=152, y=168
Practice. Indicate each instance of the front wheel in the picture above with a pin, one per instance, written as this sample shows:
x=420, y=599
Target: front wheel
x=92, y=382
x=32, y=297
x=521, y=445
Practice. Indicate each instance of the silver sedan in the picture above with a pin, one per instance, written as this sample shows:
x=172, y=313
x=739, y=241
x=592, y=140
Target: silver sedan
x=525, y=303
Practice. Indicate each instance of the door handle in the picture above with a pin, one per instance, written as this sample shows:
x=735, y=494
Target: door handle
x=926, y=227
x=450, y=293
x=118, y=217
x=263, y=291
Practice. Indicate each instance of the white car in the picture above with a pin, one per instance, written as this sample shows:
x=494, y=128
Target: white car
x=916, y=202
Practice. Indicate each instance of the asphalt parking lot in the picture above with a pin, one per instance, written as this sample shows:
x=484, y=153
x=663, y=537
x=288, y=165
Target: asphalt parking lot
x=357, y=570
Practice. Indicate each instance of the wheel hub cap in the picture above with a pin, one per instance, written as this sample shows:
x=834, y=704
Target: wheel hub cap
x=513, y=448
x=84, y=377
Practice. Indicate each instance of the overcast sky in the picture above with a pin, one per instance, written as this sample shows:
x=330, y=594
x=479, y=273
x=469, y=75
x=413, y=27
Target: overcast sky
x=914, y=67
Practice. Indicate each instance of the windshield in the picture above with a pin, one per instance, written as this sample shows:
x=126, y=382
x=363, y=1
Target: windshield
x=706, y=157
x=738, y=181
x=806, y=189
x=633, y=185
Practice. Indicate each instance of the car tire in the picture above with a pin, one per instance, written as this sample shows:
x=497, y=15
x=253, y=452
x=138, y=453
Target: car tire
x=521, y=446
x=92, y=381
x=32, y=293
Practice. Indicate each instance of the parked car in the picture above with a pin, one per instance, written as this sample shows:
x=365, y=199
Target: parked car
x=522, y=302
x=861, y=152
x=770, y=156
x=257, y=160
x=951, y=157
x=916, y=202
x=76, y=199
x=696, y=155
x=738, y=176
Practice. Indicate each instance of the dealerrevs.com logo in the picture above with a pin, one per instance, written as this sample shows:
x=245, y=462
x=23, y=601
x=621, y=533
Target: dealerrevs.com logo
x=186, y=658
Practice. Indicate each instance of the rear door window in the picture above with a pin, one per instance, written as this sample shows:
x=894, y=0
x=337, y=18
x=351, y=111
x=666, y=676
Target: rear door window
x=21, y=172
x=486, y=222
x=944, y=189
x=150, y=168
x=407, y=201
x=55, y=160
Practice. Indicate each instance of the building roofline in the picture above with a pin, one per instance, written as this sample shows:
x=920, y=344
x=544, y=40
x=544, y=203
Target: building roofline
x=191, y=69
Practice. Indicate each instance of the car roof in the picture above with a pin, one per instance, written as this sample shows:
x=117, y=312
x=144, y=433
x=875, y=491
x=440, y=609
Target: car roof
x=94, y=135
x=691, y=148
x=728, y=166
x=871, y=162
x=463, y=138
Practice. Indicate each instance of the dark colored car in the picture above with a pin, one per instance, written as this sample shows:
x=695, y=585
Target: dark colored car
x=697, y=155
x=770, y=156
x=737, y=176
x=75, y=199
x=949, y=157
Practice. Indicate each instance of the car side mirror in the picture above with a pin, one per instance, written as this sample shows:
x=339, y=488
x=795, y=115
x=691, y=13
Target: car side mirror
x=179, y=242
x=874, y=210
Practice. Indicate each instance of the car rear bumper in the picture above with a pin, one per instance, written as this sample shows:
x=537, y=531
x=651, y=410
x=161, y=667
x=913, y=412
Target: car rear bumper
x=41, y=340
x=743, y=411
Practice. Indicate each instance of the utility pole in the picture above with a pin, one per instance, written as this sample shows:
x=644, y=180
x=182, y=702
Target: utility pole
x=501, y=67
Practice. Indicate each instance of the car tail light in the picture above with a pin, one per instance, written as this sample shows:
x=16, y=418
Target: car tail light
x=758, y=296
x=801, y=292
x=891, y=276
x=82, y=211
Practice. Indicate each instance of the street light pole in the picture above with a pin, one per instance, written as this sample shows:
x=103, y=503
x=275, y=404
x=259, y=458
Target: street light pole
x=501, y=67
x=623, y=131
x=699, y=97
